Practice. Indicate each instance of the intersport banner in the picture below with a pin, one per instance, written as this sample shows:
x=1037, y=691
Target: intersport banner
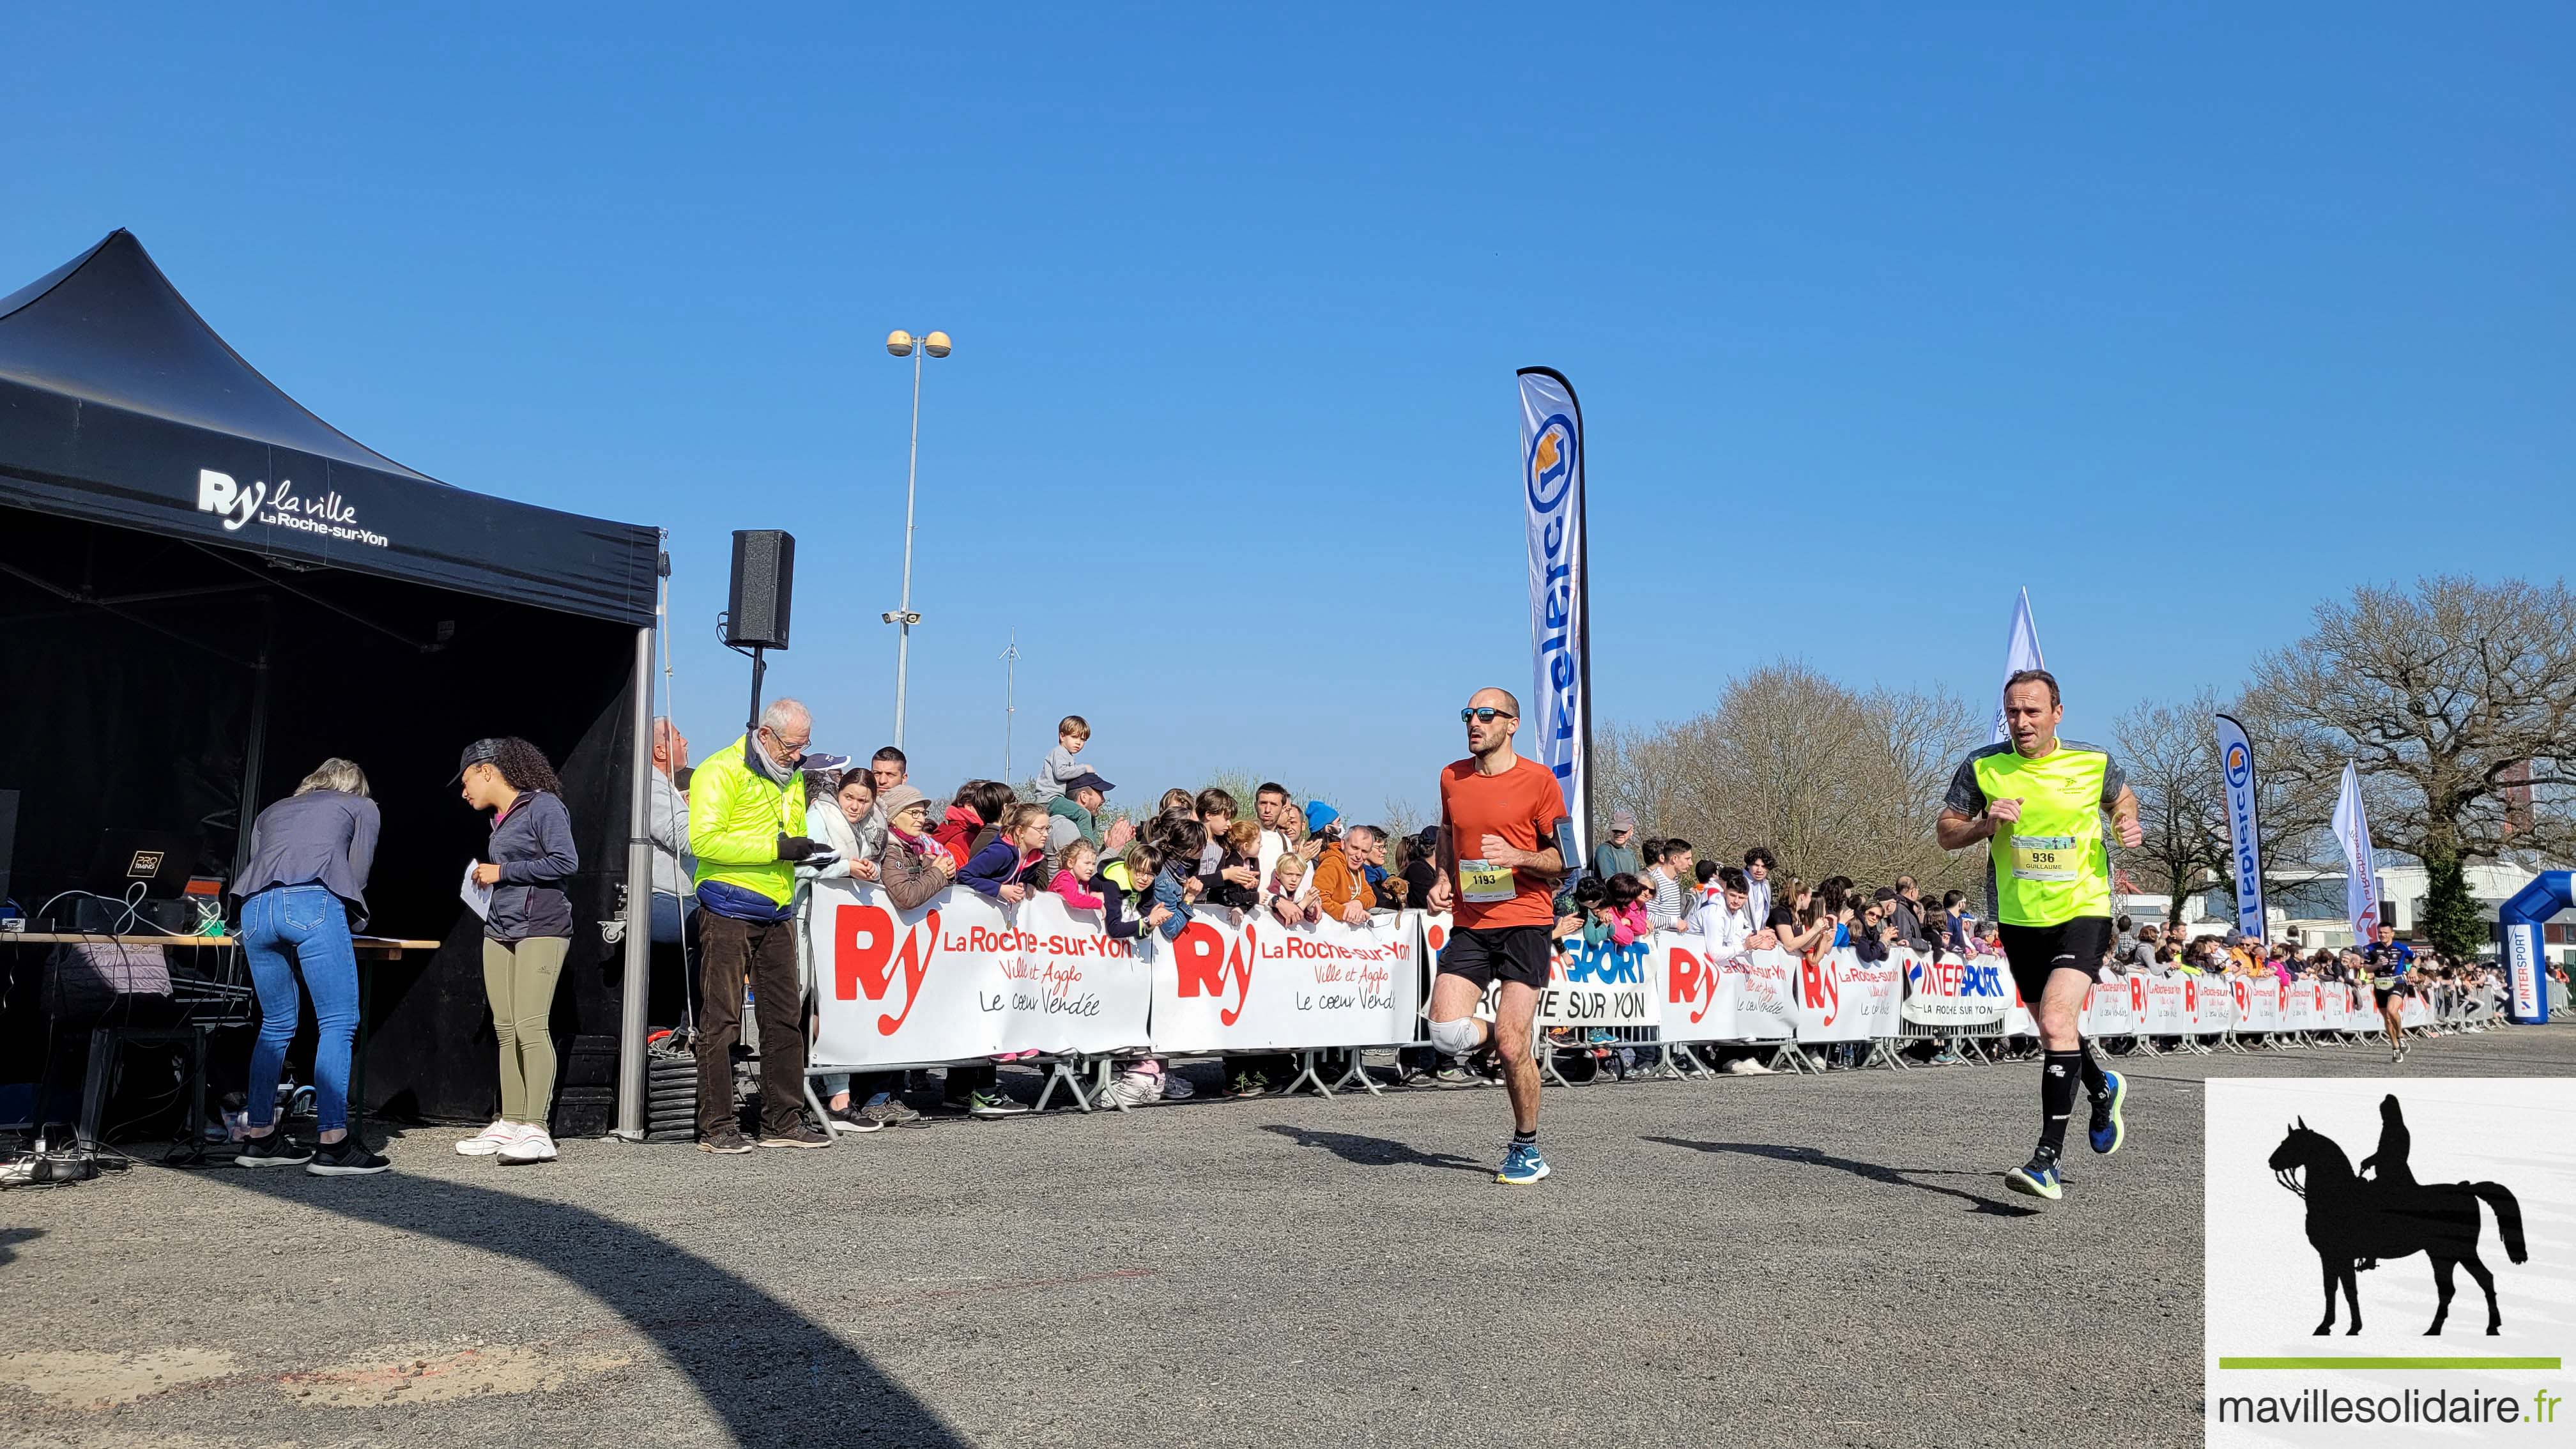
x=964, y=977
x=1600, y=986
x=1945, y=991
x=1558, y=713
x=2244, y=836
x=1259, y=986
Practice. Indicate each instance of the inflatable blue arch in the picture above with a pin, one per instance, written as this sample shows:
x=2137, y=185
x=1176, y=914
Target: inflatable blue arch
x=2526, y=971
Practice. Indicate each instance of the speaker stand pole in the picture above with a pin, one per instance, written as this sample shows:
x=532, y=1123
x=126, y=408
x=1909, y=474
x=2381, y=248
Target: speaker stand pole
x=751, y=726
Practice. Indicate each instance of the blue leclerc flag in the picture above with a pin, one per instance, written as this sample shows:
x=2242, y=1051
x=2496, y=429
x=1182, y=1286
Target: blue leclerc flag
x=1556, y=720
x=2244, y=837
x=2021, y=651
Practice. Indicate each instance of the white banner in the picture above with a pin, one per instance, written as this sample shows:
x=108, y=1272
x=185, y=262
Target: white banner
x=2299, y=1006
x=2109, y=1009
x=965, y=977
x=1839, y=998
x=1557, y=730
x=2208, y=1005
x=1741, y=1000
x=1942, y=990
x=1261, y=986
x=2258, y=1003
x=2361, y=882
x=1598, y=986
x=2166, y=1011
x=2236, y=778
x=1435, y=935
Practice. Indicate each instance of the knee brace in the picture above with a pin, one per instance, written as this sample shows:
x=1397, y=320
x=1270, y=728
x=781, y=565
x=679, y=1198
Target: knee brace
x=1456, y=1038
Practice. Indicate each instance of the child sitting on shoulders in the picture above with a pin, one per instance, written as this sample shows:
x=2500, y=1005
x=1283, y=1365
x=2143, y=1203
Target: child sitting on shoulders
x=1058, y=769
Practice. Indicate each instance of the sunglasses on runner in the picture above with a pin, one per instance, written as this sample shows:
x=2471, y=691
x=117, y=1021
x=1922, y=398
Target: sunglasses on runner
x=1484, y=715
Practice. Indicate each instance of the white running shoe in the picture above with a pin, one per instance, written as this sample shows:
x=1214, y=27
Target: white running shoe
x=489, y=1141
x=531, y=1145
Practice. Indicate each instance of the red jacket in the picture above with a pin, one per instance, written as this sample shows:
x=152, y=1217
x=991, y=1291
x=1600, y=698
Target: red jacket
x=956, y=834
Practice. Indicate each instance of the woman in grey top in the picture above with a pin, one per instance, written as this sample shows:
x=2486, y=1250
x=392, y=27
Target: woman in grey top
x=526, y=934
x=307, y=882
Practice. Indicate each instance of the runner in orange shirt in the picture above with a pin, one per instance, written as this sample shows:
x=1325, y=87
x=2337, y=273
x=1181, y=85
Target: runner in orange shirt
x=1499, y=865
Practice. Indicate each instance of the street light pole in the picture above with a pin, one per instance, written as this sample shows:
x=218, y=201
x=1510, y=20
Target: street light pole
x=900, y=343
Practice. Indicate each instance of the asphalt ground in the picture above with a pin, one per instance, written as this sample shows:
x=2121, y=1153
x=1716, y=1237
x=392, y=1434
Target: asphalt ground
x=1766, y=1260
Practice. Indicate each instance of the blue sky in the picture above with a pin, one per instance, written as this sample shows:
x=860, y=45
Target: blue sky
x=2183, y=317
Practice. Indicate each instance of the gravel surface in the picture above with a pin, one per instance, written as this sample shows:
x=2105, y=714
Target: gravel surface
x=1760, y=1260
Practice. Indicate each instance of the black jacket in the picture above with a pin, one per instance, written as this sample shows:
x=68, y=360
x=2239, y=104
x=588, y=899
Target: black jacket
x=533, y=846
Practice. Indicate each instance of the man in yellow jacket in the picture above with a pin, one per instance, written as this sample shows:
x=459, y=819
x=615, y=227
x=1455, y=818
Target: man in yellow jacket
x=747, y=830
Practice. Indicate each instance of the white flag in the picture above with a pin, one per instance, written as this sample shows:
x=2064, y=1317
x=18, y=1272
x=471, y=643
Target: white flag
x=2361, y=881
x=1556, y=725
x=2021, y=651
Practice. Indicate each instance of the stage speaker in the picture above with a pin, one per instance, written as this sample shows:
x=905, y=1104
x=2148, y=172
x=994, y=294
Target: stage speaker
x=764, y=571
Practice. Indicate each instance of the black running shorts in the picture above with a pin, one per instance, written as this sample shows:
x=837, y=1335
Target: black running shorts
x=2037, y=952
x=1508, y=953
x=2387, y=994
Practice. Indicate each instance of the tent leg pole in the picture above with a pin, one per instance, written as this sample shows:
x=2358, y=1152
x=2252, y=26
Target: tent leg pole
x=255, y=749
x=639, y=902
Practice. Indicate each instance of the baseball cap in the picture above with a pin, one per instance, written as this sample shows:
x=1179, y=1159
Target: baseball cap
x=481, y=752
x=1623, y=819
x=1088, y=780
x=1883, y=894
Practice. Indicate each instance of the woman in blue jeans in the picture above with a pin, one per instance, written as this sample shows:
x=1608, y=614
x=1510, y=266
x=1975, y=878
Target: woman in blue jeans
x=306, y=884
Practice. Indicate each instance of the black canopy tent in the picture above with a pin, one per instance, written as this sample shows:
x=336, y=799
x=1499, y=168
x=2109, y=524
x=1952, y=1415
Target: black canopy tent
x=205, y=590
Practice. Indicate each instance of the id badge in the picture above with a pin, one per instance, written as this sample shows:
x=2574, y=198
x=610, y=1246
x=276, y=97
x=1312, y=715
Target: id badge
x=1485, y=883
x=2043, y=857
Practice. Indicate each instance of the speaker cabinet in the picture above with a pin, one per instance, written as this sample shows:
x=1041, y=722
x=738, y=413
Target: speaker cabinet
x=764, y=572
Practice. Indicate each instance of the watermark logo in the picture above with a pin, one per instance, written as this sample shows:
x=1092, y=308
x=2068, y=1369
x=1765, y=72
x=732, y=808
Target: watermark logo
x=281, y=507
x=2389, y=1262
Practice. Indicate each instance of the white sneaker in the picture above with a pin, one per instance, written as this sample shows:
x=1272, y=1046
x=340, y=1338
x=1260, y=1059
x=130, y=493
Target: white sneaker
x=489, y=1141
x=1741, y=1067
x=531, y=1145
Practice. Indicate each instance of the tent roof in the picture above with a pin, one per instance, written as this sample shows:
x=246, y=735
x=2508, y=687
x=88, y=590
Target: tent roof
x=118, y=404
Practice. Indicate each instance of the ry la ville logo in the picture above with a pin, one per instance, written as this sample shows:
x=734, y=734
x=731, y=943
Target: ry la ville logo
x=329, y=515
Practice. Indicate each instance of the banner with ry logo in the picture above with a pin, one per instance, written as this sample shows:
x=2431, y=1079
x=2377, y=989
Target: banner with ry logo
x=1741, y=1000
x=1841, y=998
x=2209, y=1004
x=965, y=977
x=1435, y=931
x=2166, y=1014
x=1261, y=986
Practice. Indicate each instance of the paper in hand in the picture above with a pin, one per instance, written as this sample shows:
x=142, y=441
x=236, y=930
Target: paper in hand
x=476, y=895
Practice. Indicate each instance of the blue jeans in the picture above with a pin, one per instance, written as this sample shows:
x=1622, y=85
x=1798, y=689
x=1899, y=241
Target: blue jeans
x=308, y=922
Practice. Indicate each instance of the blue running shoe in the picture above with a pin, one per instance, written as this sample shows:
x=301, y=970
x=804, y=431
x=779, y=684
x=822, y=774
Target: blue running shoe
x=2037, y=1178
x=2107, y=1133
x=1522, y=1164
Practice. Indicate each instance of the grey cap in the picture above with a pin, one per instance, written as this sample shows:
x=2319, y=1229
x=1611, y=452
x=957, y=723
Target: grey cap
x=481, y=752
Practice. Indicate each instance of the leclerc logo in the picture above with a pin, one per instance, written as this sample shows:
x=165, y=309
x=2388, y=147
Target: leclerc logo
x=2236, y=766
x=1551, y=462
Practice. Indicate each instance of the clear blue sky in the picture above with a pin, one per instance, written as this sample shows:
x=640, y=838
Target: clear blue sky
x=2184, y=318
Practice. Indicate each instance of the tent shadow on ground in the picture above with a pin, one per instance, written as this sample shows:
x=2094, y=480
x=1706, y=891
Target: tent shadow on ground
x=1373, y=1151
x=773, y=1375
x=1899, y=1176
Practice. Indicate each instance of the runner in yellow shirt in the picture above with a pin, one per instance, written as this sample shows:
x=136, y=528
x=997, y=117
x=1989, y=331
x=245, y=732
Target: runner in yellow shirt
x=2040, y=800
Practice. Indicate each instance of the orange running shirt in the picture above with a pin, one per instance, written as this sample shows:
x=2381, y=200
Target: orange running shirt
x=1522, y=805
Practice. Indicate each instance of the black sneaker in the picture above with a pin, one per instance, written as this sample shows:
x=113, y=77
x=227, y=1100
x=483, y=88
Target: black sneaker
x=724, y=1142
x=274, y=1150
x=347, y=1157
x=800, y=1135
x=851, y=1119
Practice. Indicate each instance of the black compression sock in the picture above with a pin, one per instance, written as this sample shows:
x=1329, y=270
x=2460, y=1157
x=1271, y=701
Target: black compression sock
x=2095, y=1084
x=1525, y=1139
x=2057, y=1098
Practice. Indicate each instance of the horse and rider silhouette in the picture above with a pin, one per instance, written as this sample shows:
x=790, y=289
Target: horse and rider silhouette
x=2354, y=1222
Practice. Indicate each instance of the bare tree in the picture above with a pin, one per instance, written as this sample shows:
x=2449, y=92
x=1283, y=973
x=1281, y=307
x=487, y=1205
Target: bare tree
x=2457, y=701
x=2169, y=753
x=1833, y=780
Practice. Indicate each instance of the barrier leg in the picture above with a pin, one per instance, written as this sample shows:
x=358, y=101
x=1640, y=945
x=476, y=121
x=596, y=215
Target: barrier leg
x=1306, y=1074
x=1880, y=1056
x=1358, y=1075
x=1664, y=1066
x=822, y=1118
x=1061, y=1072
x=1795, y=1059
